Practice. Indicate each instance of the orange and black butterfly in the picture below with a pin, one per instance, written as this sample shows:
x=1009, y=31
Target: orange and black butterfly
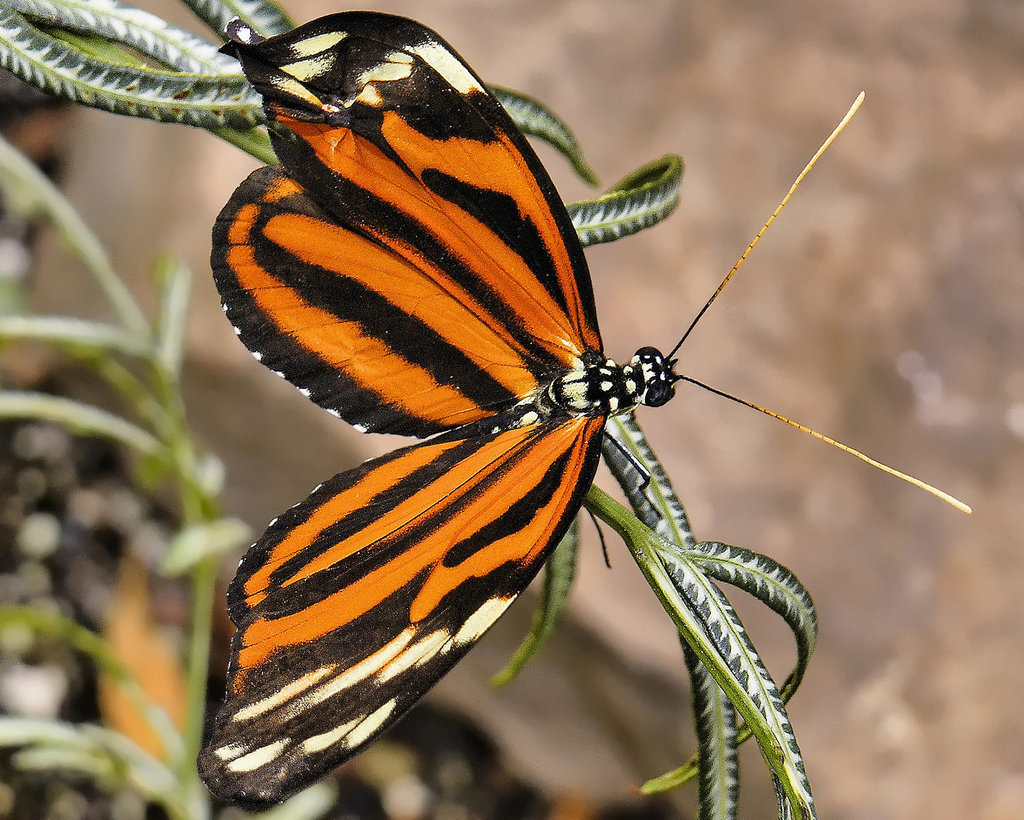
x=410, y=268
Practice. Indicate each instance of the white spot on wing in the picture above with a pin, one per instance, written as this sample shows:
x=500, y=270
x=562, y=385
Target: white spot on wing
x=230, y=751
x=258, y=757
x=306, y=70
x=364, y=669
x=352, y=733
x=419, y=653
x=284, y=694
x=479, y=622
x=289, y=85
x=389, y=70
x=370, y=96
x=318, y=43
x=447, y=65
x=371, y=724
x=318, y=743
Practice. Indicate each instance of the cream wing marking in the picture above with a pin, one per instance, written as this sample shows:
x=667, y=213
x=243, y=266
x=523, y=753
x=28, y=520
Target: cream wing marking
x=314, y=45
x=480, y=621
x=284, y=694
x=444, y=63
x=258, y=757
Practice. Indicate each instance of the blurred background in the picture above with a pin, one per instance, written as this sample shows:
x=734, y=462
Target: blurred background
x=885, y=307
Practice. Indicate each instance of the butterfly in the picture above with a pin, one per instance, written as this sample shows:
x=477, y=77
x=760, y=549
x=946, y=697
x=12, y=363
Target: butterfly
x=408, y=266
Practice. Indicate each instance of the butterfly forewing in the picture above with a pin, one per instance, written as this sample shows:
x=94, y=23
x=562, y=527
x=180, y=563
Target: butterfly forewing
x=411, y=267
x=359, y=599
x=367, y=332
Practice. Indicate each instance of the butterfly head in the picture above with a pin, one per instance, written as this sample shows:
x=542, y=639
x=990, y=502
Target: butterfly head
x=659, y=378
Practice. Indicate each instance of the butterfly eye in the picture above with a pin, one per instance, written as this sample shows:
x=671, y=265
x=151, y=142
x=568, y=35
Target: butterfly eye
x=659, y=392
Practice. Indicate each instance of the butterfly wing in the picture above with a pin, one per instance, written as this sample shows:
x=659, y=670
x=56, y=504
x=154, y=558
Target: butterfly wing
x=409, y=265
x=359, y=599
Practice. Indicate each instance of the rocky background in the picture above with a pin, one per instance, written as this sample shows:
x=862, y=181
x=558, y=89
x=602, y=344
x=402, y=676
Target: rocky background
x=886, y=307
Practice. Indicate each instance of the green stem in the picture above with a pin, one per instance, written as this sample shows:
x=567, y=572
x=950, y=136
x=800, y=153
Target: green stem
x=196, y=507
x=35, y=192
x=204, y=587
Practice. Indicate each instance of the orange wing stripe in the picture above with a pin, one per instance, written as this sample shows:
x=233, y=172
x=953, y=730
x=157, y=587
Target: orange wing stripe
x=536, y=534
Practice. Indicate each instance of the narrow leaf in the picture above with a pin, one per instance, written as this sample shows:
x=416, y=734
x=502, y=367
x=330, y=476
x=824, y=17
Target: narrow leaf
x=641, y=200
x=266, y=18
x=204, y=99
x=715, y=722
x=81, y=419
x=75, y=334
x=716, y=762
x=175, y=281
x=93, y=751
x=774, y=586
x=198, y=541
x=654, y=501
x=757, y=697
x=254, y=141
x=146, y=33
x=711, y=627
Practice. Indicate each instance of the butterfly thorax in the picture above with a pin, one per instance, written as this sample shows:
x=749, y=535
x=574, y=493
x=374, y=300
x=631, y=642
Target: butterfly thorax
x=607, y=388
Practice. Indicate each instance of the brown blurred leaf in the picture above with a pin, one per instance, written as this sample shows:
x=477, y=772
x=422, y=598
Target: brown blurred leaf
x=144, y=650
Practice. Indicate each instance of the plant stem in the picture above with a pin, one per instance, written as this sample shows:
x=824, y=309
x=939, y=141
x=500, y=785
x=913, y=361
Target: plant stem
x=196, y=507
x=39, y=194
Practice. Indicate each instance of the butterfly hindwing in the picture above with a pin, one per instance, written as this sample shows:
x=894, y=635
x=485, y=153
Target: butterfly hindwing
x=413, y=235
x=359, y=599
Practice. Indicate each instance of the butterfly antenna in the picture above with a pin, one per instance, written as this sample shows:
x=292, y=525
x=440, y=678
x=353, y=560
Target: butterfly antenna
x=739, y=263
x=785, y=200
x=828, y=440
